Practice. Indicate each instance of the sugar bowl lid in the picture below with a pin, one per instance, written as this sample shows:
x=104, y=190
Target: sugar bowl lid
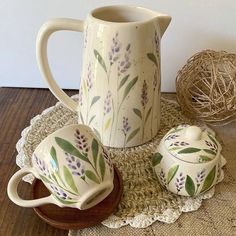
x=191, y=144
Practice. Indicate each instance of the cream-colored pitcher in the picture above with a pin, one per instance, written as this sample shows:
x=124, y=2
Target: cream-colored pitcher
x=119, y=94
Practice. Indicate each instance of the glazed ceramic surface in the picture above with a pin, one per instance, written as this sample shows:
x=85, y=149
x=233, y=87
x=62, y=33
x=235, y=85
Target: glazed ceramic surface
x=120, y=82
x=187, y=161
x=73, y=165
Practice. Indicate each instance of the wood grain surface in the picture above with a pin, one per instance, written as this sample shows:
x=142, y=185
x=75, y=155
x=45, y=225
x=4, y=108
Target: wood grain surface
x=17, y=107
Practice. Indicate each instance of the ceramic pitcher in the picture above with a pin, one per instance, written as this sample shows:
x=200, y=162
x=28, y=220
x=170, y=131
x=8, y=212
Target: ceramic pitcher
x=119, y=94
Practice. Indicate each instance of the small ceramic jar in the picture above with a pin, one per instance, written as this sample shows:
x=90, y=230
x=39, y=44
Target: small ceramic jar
x=187, y=161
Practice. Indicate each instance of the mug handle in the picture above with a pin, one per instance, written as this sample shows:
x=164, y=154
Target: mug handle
x=14, y=196
x=41, y=51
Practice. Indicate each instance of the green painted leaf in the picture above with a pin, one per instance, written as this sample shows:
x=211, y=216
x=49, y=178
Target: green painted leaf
x=212, y=139
x=100, y=59
x=69, y=148
x=156, y=159
x=81, y=118
x=69, y=179
x=209, y=151
x=209, y=180
x=97, y=133
x=92, y=176
x=132, y=135
x=107, y=124
x=102, y=166
x=152, y=57
x=94, y=100
x=123, y=81
x=137, y=112
x=95, y=151
x=204, y=158
x=129, y=86
x=91, y=119
x=148, y=114
x=189, y=150
x=190, y=186
x=65, y=201
x=171, y=173
x=54, y=157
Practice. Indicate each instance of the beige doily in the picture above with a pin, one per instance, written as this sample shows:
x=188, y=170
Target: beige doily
x=144, y=200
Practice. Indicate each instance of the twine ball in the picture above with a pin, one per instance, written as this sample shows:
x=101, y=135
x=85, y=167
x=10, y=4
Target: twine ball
x=206, y=87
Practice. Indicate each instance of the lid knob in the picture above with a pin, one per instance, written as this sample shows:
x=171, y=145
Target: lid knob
x=193, y=133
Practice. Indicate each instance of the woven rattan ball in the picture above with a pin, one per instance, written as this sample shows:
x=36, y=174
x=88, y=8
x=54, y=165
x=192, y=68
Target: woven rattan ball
x=206, y=87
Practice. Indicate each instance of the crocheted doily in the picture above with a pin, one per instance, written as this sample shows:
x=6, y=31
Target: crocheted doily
x=144, y=201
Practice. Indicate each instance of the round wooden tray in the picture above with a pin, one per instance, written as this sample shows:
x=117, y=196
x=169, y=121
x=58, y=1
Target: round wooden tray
x=72, y=218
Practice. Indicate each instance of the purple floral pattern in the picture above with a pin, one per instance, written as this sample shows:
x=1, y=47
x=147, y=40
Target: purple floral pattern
x=115, y=49
x=89, y=79
x=200, y=177
x=162, y=178
x=126, y=128
x=212, y=146
x=125, y=64
x=119, y=57
x=60, y=193
x=107, y=103
x=41, y=166
x=81, y=142
x=180, y=181
x=75, y=165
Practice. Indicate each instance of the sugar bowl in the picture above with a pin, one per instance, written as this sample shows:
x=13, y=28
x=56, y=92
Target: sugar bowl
x=187, y=160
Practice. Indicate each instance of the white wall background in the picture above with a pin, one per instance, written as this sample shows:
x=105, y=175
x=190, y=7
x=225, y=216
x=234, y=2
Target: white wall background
x=196, y=25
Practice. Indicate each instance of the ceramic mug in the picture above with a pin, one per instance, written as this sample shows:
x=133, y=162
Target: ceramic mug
x=73, y=165
x=188, y=160
x=120, y=81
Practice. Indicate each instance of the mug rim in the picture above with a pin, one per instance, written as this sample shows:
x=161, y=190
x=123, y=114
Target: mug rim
x=60, y=130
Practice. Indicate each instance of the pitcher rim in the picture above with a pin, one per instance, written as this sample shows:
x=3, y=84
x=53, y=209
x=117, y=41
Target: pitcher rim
x=153, y=14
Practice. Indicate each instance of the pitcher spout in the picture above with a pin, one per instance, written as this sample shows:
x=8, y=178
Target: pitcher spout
x=163, y=22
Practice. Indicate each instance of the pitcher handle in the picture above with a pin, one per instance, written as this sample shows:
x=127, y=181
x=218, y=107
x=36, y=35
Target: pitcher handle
x=46, y=30
x=14, y=196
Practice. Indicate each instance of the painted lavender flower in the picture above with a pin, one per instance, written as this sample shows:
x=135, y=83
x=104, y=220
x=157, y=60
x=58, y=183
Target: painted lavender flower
x=59, y=192
x=125, y=128
x=107, y=103
x=200, y=177
x=172, y=136
x=211, y=145
x=144, y=94
x=155, y=80
x=156, y=40
x=115, y=49
x=42, y=166
x=81, y=142
x=80, y=100
x=89, y=79
x=180, y=181
x=177, y=144
x=125, y=64
x=107, y=159
x=163, y=178
x=75, y=165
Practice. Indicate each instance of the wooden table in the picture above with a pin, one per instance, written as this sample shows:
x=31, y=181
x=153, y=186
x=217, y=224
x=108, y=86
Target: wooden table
x=17, y=107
